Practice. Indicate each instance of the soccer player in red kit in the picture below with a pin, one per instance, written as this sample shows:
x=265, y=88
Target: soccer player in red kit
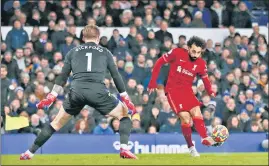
x=184, y=66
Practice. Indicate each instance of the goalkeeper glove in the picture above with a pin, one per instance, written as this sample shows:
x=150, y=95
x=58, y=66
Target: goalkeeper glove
x=123, y=97
x=47, y=102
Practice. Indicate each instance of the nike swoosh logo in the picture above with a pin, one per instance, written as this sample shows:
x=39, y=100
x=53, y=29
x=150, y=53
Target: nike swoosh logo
x=181, y=60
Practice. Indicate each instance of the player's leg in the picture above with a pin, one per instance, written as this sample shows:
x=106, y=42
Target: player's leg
x=60, y=120
x=121, y=113
x=185, y=119
x=176, y=104
x=199, y=124
x=71, y=106
x=107, y=104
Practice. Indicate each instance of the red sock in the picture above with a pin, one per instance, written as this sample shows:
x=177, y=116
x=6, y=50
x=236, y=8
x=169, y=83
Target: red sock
x=186, y=130
x=200, y=126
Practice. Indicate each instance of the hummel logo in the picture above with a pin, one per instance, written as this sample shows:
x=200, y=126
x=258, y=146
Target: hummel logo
x=181, y=60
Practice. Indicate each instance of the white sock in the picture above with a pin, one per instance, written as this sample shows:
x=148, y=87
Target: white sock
x=124, y=146
x=29, y=153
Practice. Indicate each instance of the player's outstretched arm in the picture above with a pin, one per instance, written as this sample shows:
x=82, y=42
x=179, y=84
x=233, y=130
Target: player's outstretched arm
x=205, y=79
x=155, y=73
x=123, y=96
x=208, y=86
x=115, y=73
x=58, y=86
x=166, y=58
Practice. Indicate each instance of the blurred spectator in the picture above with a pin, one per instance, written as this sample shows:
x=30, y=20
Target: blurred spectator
x=35, y=125
x=39, y=45
x=12, y=66
x=58, y=37
x=205, y=14
x=67, y=46
x=207, y=117
x=265, y=125
x=124, y=4
x=245, y=120
x=233, y=124
x=3, y=47
x=254, y=36
x=35, y=19
x=51, y=28
x=197, y=22
x=263, y=81
x=114, y=10
x=81, y=127
x=5, y=82
x=87, y=115
x=31, y=105
x=151, y=41
x=136, y=124
x=162, y=33
x=249, y=106
x=17, y=37
x=79, y=20
x=114, y=40
x=140, y=28
x=241, y=18
x=103, y=128
x=255, y=127
x=45, y=66
x=167, y=16
x=115, y=125
x=152, y=130
x=19, y=57
x=48, y=52
x=215, y=121
x=219, y=9
x=16, y=16
x=35, y=34
x=121, y=50
x=108, y=21
x=186, y=21
x=157, y=119
x=44, y=118
x=229, y=110
x=231, y=6
x=172, y=126
x=44, y=12
x=131, y=40
x=148, y=21
x=137, y=8
x=263, y=52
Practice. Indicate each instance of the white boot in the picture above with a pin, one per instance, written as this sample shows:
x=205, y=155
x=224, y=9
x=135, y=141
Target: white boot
x=194, y=152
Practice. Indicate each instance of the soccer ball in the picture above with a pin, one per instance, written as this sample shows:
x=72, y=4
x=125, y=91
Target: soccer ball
x=220, y=133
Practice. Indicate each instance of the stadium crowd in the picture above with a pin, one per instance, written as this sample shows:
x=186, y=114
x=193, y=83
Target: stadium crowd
x=238, y=66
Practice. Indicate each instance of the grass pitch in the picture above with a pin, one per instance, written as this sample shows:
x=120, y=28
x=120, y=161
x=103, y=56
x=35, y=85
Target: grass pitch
x=145, y=159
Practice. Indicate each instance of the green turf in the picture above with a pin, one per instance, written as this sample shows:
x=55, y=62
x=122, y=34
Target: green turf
x=145, y=159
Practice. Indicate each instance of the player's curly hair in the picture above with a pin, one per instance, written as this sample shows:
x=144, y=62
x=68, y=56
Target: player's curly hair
x=199, y=42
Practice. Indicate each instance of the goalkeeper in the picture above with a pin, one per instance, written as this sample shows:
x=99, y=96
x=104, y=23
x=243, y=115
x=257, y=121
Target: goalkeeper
x=88, y=63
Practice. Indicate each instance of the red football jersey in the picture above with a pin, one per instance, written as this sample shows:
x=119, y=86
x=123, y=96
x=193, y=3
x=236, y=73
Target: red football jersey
x=182, y=70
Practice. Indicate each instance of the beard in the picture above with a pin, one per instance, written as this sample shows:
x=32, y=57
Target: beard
x=192, y=58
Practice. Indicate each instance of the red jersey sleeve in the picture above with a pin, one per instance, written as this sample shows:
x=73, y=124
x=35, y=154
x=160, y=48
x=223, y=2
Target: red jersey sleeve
x=166, y=58
x=170, y=56
x=203, y=74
